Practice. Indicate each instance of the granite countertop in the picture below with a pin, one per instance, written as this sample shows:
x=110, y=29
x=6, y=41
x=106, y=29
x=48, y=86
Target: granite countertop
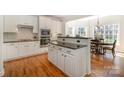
x=15, y=41
x=74, y=37
x=68, y=45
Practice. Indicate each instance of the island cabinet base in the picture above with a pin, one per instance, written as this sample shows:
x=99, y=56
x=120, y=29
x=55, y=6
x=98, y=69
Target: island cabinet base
x=71, y=62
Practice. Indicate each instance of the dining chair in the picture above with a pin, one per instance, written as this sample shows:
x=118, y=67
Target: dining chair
x=111, y=48
x=93, y=48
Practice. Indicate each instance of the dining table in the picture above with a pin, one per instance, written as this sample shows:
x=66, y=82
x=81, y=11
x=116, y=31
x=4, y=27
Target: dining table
x=97, y=44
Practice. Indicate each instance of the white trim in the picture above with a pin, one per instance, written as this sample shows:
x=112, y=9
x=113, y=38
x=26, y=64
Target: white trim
x=2, y=73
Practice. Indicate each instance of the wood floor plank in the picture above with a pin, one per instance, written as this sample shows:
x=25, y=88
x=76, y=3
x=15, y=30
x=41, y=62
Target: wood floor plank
x=39, y=66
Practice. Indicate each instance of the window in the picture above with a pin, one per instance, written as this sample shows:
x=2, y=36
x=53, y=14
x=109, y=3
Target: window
x=110, y=32
x=81, y=31
x=76, y=30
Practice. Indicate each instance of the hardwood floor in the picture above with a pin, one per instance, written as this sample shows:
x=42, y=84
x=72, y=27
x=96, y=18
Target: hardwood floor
x=107, y=66
x=39, y=66
x=36, y=66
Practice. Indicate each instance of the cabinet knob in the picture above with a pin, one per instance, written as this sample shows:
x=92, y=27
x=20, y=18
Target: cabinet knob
x=63, y=39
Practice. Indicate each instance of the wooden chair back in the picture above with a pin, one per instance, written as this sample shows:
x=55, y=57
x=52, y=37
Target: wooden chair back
x=114, y=44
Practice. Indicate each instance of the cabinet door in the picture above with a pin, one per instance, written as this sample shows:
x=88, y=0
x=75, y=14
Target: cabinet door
x=53, y=30
x=25, y=20
x=10, y=23
x=36, y=47
x=4, y=52
x=61, y=60
x=11, y=50
x=69, y=65
x=44, y=22
x=22, y=49
x=26, y=49
x=35, y=24
x=50, y=54
x=59, y=27
x=53, y=55
x=56, y=28
x=1, y=25
x=30, y=48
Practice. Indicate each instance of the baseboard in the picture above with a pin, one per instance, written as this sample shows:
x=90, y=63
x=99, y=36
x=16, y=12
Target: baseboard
x=1, y=73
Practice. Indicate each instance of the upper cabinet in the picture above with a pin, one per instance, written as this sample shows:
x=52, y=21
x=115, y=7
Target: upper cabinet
x=10, y=23
x=1, y=24
x=44, y=22
x=35, y=24
x=29, y=20
x=25, y=20
x=56, y=28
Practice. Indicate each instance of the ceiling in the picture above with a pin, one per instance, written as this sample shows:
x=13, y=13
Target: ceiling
x=69, y=17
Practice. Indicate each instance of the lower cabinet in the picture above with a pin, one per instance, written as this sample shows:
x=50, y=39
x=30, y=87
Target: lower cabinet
x=53, y=55
x=64, y=61
x=21, y=49
x=11, y=50
x=61, y=60
x=70, y=65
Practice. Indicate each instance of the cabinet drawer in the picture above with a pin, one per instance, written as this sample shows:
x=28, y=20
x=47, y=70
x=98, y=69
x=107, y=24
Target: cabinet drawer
x=60, y=48
x=69, y=51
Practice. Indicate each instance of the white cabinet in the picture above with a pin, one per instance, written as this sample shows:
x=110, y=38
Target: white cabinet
x=61, y=60
x=26, y=49
x=36, y=47
x=72, y=62
x=70, y=65
x=29, y=20
x=11, y=50
x=10, y=23
x=4, y=52
x=56, y=28
x=53, y=54
x=66, y=63
x=25, y=20
x=21, y=49
x=1, y=24
x=44, y=22
x=35, y=24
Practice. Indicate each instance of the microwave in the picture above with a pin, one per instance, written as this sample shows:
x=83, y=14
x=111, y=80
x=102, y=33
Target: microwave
x=45, y=32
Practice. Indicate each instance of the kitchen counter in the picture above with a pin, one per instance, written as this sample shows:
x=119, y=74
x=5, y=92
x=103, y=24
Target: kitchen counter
x=19, y=41
x=68, y=45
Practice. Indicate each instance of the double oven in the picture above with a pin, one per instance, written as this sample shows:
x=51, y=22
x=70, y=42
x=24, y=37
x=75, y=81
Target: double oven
x=44, y=37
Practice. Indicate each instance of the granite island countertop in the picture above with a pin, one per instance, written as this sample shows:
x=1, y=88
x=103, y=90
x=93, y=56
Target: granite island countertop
x=68, y=45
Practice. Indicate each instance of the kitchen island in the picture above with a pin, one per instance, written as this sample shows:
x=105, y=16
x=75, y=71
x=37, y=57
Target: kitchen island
x=71, y=55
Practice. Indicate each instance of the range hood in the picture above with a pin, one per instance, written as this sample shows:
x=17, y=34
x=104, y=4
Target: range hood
x=25, y=26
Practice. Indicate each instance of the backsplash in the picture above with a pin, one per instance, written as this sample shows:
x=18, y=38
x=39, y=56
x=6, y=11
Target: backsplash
x=23, y=33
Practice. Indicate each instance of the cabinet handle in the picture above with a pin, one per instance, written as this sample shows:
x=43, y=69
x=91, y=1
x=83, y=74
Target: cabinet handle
x=78, y=41
x=65, y=56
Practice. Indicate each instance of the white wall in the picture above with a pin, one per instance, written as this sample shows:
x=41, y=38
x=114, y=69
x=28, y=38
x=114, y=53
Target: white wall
x=89, y=23
x=1, y=44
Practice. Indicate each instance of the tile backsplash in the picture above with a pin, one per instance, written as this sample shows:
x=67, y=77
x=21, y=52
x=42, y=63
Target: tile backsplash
x=23, y=33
